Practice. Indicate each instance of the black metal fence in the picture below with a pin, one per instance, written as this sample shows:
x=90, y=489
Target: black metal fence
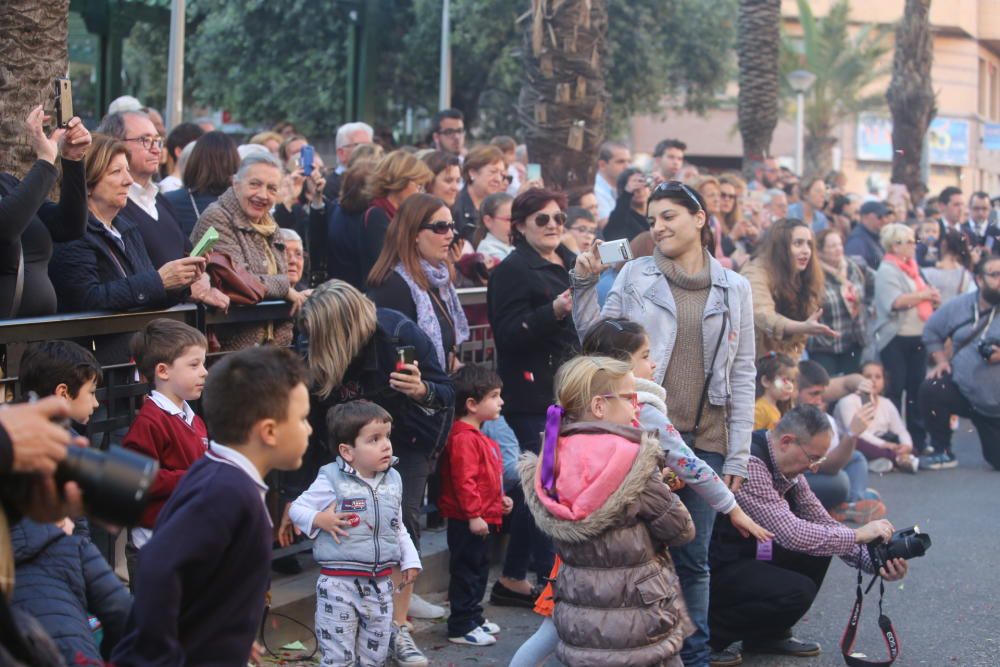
x=120, y=393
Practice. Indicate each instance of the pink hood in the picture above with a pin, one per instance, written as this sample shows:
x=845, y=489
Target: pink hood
x=589, y=468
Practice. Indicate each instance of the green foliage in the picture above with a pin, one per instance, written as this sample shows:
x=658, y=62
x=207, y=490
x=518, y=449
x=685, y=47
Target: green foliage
x=844, y=65
x=144, y=59
x=268, y=60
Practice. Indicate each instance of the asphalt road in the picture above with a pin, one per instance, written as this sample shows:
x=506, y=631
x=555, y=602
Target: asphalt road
x=946, y=612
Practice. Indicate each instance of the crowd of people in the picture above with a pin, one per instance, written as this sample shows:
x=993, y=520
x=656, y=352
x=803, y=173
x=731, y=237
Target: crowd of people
x=676, y=445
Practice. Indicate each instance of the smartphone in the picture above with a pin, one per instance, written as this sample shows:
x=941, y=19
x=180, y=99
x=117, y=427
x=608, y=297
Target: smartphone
x=63, y=102
x=866, y=398
x=406, y=354
x=534, y=171
x=613, y=252
x=306, y=160
x=206, y=243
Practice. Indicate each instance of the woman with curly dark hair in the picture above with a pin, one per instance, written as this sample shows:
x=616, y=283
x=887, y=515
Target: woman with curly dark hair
x=787, y=283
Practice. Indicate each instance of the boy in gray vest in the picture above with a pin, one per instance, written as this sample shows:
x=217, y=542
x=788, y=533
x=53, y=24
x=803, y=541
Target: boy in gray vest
x=353, y=511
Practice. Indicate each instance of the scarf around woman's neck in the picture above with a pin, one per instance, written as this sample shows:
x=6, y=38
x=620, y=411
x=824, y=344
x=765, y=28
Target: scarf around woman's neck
x=676, y=275
x=427, y=320
x=912, y=271
x=265, y=226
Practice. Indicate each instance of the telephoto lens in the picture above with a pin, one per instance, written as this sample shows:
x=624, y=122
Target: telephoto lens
x=115, y=484
x=908, y=543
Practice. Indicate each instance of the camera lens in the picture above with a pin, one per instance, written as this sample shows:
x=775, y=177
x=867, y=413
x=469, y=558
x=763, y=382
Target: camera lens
x=115, y=484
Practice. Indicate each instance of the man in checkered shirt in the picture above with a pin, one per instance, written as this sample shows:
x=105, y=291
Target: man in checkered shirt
x=760, y=591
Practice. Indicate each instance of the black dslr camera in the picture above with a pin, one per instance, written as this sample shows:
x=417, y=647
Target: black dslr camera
x=115, y=483
x=908, y=543
x=986, y=347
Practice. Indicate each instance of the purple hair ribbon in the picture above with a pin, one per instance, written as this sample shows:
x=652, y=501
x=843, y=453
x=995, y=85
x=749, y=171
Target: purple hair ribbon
x=553, y=420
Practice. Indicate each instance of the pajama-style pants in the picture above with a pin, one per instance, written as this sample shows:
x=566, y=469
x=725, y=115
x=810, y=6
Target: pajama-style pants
x=353, y=620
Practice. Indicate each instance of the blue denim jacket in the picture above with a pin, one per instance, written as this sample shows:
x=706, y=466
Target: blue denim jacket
x=641, y=294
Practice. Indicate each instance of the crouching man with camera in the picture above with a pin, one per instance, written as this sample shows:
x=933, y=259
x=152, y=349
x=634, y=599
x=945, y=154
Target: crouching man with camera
x=967, y=381
x=759, y=591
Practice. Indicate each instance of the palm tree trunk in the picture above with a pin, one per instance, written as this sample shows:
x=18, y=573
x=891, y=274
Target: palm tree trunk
x=818, y=150
x=33, y=51
x=911, y=94
x=757, y=46
x=563, y=102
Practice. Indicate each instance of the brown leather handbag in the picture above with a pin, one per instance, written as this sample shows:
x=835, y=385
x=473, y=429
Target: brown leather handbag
x=232, y=279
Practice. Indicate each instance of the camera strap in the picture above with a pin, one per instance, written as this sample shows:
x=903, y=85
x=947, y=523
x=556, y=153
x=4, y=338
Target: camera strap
x=884, y=624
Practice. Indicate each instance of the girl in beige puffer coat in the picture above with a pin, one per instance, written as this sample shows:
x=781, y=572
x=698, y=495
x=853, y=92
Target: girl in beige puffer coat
x=597, y=492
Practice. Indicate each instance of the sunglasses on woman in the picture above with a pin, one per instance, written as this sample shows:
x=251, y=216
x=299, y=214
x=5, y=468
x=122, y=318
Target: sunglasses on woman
x=677, y=185
x=441, y=227
x=542, y=219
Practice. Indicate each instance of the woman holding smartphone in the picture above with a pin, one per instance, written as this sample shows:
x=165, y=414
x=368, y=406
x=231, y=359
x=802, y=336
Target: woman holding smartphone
x=413, y=275
x=354, y=350
x=700, y=323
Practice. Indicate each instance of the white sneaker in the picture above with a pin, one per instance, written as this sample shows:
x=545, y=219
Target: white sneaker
x=421, y=608
x=477, y=637
x=880, y=466
x=404, y=651
x=490, y=628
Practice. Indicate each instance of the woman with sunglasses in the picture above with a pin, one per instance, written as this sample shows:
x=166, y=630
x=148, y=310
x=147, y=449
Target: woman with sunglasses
x=413, y=274
x=530, y=311
x=691, y=305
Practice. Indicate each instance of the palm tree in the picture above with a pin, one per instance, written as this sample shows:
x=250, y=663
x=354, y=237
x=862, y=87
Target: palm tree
x=563, y=102
x=911, y=95
x=845, y=67
x=33, y=52
x=757, y=47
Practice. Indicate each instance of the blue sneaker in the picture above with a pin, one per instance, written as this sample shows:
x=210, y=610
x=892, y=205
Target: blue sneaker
x=939, y=461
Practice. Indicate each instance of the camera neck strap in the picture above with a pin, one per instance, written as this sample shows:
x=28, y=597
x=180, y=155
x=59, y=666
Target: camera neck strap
x=884, y=625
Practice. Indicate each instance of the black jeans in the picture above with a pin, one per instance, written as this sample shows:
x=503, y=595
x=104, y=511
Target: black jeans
x=413, y=468
x=468, y=568
x=941, y=398
x=761, y=600
x=905, y=361
x=528, y=546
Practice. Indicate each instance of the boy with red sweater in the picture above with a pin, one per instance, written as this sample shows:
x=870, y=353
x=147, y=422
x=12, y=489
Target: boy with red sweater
x=171, y=355
x=472, y=500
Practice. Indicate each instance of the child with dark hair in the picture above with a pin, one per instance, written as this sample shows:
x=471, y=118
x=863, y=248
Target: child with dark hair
x=354, y=512
x=886, y=442
x=169, y=355
x=776, y=375
x=472, y=500
x=202, y=579
x=62, y=368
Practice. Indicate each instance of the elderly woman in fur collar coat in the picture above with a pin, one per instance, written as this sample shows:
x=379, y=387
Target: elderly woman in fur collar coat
x=597, y=492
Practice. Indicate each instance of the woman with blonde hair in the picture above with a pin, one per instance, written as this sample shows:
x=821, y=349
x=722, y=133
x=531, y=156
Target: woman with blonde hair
x=711, y=192
x=397, y=176
x=903, y=304
x=787, y=283
x=352, y=348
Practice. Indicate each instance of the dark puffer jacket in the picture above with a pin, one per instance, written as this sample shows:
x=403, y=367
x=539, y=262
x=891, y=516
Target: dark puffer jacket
x=61, y=580
x=617, y=598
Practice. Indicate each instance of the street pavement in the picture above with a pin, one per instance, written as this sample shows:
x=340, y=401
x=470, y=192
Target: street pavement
x=946, y=612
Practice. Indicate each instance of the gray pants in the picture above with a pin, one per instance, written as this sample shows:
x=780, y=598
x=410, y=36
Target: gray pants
x=353, y=620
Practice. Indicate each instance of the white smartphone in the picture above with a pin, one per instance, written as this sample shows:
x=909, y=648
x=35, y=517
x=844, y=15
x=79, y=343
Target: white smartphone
x=613, y=252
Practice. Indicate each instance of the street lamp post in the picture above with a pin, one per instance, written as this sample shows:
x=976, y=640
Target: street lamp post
x=801, y=81
x=175, y=67
x=444, y=85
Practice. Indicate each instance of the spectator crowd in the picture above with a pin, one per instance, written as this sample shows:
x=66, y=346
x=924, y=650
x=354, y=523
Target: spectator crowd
x=675, y=446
